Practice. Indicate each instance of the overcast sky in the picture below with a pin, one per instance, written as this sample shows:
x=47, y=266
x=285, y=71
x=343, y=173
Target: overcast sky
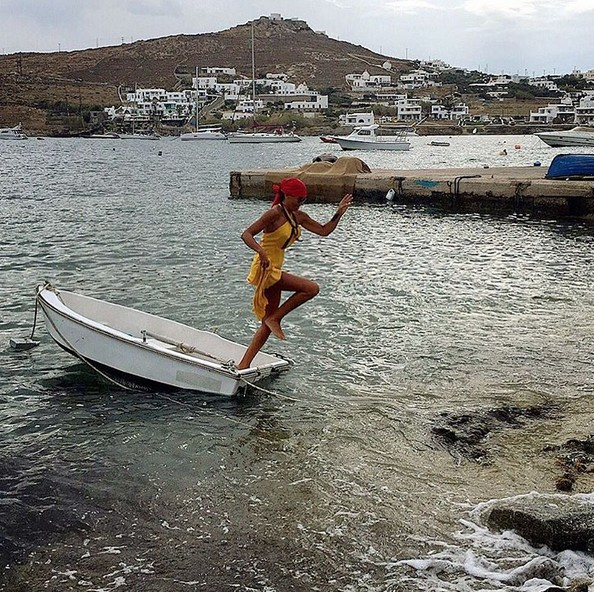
x=510, y=36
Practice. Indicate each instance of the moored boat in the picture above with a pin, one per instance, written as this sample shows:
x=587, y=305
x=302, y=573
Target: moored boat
x=275, y=137
x=365, y=138
x=206, y=133
x=578, y=136
x=140, y=136
x=565, y=166
x=104, y=136
x=12, y=133
x=114, y=338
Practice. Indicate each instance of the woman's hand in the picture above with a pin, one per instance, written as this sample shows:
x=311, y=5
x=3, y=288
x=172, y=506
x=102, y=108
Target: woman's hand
x=264, y=261
x=343, y=206
x=345, y=203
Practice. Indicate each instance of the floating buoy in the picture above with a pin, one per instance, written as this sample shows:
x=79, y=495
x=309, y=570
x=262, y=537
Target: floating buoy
x=537, y=163
x=517, y=146
x=23, y=343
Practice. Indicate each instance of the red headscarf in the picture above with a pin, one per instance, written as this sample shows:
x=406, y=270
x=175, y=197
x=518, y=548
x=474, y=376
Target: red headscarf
x=289, y=186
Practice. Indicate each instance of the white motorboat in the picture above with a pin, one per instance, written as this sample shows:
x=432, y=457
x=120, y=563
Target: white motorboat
x=277, y=136
x=12, y=133
x=114, y=339
x=140, y=136
x=364, y=137
x=578, y=136
x=105, y=136
x=207, y=133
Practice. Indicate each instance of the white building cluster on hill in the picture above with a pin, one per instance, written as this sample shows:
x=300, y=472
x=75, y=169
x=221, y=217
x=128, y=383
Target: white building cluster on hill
x=176, y=107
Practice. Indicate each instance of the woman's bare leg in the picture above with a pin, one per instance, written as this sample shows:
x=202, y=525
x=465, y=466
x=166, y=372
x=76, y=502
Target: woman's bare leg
x=303, y=289
x=273, y=295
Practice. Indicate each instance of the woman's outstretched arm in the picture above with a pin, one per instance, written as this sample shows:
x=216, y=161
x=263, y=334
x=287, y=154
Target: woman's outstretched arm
x=325, y=229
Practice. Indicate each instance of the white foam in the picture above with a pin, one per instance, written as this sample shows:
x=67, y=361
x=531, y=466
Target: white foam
x=505, y=560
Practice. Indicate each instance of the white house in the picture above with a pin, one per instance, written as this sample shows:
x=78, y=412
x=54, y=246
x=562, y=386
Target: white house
x=216, y=71
x=409, y=109
x=314, y=102
x=366, y=81
x=417, y=79
x=545, y=83
x=357, y=119
x=458, y=111
x=584, y=112
x=564, y=110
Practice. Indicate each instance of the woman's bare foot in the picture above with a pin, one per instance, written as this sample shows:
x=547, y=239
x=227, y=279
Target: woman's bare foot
x=275, y=328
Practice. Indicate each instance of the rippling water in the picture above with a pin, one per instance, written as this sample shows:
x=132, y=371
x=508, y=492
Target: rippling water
x=333, y=482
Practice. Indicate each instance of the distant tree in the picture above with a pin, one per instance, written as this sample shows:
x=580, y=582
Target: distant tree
x=462, y=80
x=571, y=83
x=336, y=97
x=524, y=91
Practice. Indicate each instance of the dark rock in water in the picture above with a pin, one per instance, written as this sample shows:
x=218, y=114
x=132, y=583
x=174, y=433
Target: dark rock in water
x=553, y=520
x=575, y=457
x=465, y=433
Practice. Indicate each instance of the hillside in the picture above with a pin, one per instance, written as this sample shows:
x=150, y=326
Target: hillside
x=35, y=85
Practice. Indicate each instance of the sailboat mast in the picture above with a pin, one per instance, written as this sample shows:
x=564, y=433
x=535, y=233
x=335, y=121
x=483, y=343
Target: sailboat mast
x=253, y=74
x=196, y=102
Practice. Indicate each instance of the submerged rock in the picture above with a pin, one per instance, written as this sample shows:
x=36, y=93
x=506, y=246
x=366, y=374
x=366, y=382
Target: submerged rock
x=466, y=433
x=560, y=522
x=575, y=458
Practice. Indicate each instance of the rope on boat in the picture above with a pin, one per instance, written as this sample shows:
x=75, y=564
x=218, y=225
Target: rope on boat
x=182, y=347
x=263, y=390
x=34, y=318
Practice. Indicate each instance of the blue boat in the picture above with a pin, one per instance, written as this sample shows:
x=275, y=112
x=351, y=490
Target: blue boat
x=565, y=166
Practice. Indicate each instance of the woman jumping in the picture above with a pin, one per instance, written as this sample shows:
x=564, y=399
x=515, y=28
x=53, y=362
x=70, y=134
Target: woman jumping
x=281, y=227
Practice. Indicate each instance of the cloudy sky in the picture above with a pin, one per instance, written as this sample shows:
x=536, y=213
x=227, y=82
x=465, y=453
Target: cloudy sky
x=510, y=36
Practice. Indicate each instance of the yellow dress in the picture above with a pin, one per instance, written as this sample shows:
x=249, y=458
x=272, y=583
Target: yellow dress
x=273, y=243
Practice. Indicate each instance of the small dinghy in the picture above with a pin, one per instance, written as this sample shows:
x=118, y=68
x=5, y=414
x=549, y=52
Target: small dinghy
x=110, y=337
x=565, y=166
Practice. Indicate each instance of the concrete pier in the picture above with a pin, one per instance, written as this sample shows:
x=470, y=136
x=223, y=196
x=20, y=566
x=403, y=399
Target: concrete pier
x=505, y=190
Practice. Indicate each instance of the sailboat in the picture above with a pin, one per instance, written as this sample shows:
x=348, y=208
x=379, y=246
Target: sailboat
x=202, y=133
x=277, y=136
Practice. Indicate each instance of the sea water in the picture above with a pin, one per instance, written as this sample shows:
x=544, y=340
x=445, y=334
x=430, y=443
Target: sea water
x=335, y=482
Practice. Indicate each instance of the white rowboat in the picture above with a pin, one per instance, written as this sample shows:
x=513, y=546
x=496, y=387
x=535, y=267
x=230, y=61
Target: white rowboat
x=110, y=337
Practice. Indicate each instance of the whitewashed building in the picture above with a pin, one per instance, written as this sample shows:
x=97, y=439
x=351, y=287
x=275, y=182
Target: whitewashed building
x=367, y=82
x=584, y=112
x=357, y=119
x=409, y=109
x=564, y=110
x=459, y=111
x=313, y=102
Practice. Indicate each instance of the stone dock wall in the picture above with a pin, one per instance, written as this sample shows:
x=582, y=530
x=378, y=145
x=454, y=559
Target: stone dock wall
x=505, y=190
